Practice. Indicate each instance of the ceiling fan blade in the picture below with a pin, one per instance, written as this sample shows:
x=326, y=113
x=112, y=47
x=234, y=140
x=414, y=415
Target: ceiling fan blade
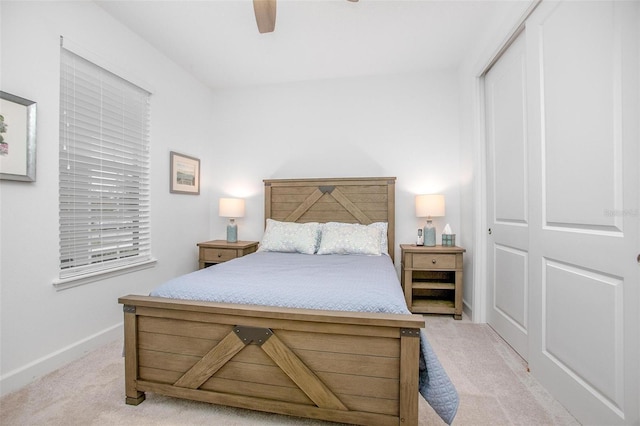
x=265, y=11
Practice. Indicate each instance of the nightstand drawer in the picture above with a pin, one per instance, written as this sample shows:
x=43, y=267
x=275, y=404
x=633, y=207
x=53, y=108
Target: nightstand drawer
x=218, y=254
x=434, y=261
x=219, y=251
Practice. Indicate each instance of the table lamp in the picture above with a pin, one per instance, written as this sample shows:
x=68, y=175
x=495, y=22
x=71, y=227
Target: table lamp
x=231, y=208
x=429, y=205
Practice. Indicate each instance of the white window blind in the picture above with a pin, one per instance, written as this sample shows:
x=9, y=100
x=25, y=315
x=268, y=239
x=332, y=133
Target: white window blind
x=104, y=170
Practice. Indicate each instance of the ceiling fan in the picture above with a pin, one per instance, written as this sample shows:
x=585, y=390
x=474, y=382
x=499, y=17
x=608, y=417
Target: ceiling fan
x=265, y=11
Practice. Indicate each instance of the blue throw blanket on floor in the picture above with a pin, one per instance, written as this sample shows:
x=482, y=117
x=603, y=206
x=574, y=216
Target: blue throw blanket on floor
x=434, y=384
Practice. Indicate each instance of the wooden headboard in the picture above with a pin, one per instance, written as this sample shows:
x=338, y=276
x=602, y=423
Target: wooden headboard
x=349, y=200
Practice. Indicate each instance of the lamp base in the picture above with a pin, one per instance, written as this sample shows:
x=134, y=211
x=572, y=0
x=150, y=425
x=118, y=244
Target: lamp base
x=232, y=232
x=429, y=235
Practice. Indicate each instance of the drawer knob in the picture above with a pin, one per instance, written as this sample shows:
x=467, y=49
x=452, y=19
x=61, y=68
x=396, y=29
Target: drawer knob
x=219, y=254
x=433, y=261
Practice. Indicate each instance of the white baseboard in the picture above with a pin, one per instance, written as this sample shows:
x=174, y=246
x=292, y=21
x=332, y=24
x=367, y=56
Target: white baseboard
x=32, y=371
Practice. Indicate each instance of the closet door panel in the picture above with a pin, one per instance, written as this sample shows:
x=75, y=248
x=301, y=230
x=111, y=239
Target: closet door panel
x=508, y=194
x=581, y=112
x=583, y=93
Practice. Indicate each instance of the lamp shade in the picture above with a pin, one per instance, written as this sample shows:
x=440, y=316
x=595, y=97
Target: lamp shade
x=231, y=207
x=429, y=205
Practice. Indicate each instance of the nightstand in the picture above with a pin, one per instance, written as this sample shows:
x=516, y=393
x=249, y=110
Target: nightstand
x=432, y=279
x=218, y=251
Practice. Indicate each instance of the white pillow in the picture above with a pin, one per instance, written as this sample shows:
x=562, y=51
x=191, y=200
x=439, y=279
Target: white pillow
x=384, y=240
x=349, y=238
x=381, y=226
x=290, y=237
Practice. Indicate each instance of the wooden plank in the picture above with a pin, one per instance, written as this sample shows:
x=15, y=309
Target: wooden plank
x=356, y=181
x=159, y=375
x=301, y=374
x=409, y=366
x=372, y=387
x=344, y=216
x=175, y=344
x=297, y=192
x=364, y=189
x=133, y=396
x=391, y=217
x=359, y=187
x=318, y=327
x=373, y=200
x=308, y=202
x=211, y=362
x=167, y=361
x=350, y=206
x=281, y=407
x=371, y=405
x=372, y=346
x=327, y=205
x=357, y=365
x=259, y=390
x=407, y=289
x=294, y=394
x=270, y=312
x=268, y=192
x=201, y=330
x=433, y=286
x=233, y=386
x=433, y=305
x=382, y=325
x=251, y=355
x=255, y=373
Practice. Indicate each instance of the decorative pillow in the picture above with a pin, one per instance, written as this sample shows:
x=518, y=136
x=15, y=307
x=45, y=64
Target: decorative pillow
x=380, y=226
x=290, y=237
x=384, y=240
x=350, y=238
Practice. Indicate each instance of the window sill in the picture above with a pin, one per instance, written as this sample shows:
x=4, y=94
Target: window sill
x=65, y=283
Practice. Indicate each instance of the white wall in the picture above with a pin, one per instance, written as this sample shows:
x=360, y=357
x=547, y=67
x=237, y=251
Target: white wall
x=405, y=126
x=40, y=327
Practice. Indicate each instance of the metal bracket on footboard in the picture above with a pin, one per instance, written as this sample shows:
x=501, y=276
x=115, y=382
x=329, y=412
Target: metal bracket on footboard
x=252, y=335
x=410, y=332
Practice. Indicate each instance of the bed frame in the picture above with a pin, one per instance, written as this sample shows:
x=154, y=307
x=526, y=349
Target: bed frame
x=349, y=367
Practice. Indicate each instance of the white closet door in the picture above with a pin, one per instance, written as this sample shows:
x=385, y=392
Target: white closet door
x=583, y=132
x=507, y=191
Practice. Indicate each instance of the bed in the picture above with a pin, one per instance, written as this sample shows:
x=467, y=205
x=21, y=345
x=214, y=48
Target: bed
x=336, y=365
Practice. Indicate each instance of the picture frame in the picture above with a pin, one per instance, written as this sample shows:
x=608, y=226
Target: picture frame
x=17, y=138
x=185, y=174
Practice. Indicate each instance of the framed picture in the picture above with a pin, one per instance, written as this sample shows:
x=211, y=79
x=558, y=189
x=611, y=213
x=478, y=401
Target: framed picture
x=17, y=138
x=185, y=174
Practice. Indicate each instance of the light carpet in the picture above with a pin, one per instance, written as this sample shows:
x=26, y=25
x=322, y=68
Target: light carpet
x=492, y=381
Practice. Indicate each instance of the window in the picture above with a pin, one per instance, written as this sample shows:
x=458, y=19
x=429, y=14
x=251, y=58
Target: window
x=104, y=171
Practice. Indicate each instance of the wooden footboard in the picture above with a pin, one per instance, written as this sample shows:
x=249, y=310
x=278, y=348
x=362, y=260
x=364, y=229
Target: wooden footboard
x=339, y=366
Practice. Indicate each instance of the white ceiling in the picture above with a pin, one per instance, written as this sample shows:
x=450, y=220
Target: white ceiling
x=218, y=40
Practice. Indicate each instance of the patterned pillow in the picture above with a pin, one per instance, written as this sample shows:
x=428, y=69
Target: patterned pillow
x=290, y=237
x=384, y=240
x=349, y=239
x=381, y=226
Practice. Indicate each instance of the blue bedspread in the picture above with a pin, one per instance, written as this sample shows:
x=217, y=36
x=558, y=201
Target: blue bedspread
x=332, y=282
